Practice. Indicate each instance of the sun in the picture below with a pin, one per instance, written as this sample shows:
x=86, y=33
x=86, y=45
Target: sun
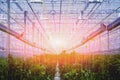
x=59, y=44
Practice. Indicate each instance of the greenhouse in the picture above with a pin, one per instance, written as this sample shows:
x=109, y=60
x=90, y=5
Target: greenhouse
x=59, y=39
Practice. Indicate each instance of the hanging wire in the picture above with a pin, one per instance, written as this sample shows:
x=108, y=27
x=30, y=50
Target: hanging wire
x=53, y=12
x=73, y=33
x=13, y=18
x=83, y=22
x=60, y=16
x=44, y=7
x=92, y=12
x=23, y=27
x=77, y=46
x=91, y=9
x=37, y=19
x=105, y=18
x=94, y=8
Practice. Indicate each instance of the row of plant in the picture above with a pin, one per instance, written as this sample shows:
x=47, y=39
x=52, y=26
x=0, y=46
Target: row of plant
x=72, y=67
x=29, y=69
x=91, y=67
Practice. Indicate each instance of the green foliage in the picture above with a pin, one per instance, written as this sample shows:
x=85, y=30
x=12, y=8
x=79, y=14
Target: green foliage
x=3, y=69
x=19, y=69
x=94, y=67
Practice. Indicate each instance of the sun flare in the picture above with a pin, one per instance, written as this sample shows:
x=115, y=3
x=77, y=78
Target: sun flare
x=59, y=44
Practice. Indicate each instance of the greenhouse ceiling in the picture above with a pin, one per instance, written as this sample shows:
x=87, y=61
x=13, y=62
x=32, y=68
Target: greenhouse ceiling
x=66, y=18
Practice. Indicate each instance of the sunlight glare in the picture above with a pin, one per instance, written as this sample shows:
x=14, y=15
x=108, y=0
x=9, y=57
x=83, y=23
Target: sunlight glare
x=58, y=43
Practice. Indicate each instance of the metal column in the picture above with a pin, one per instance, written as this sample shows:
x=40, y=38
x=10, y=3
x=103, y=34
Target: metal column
x=33, y=35
x=25, y=22
x=108, y=44
x=8, y=21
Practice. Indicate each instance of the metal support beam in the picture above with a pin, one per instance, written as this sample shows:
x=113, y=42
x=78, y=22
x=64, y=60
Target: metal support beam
x=2, y=48
x=86, y=5
x=1, y=11
x=114, y=24
x=25, y=22
x=94, y=34
x=18, y=36
x=18, y=6
x=9, y=31
x=103, y=28
x=33, y=33
x=108, y=40
x=8, y=21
